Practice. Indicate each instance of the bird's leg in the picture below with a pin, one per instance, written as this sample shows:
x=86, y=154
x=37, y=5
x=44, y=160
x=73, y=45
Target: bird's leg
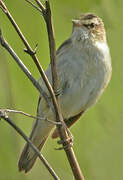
x=67, y=142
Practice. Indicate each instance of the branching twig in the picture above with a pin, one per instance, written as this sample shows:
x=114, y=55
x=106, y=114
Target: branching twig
x=43, y=9
x=28, y=48
x=62, y=131
x=20, y=112
x=5, y=44
x=28, y=115
x=34, y=5
x=46, y=12
x=9, y=121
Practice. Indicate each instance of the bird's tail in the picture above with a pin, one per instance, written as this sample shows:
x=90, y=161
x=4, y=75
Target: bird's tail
x=38, y=137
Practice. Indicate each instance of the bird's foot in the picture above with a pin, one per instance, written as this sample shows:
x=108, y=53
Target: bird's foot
x=67, y=143
x=58, y=92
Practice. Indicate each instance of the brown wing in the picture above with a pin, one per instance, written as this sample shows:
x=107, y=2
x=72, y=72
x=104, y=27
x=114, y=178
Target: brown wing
x=69, y=122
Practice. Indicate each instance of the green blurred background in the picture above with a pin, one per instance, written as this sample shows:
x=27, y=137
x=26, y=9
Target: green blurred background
x=98, y=135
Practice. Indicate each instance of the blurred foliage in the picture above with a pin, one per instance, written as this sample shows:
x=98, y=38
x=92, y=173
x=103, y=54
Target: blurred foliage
x=98, y=135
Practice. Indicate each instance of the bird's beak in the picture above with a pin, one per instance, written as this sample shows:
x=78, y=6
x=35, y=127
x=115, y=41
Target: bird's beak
x=76, y=22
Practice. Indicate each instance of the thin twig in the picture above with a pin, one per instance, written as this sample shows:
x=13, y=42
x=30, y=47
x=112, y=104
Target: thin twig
x=34, y=5
x=46, y=12
x=5, y=44
x=9, y=121
x=58, y=116
x=52, y=46
x=29, y=49
x=63, y=132
x=31, y=52
x=2, y=6
x=28, y=115
x=21, y=112
x=43, y=9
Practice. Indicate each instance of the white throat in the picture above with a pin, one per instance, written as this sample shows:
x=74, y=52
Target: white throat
x=80, y=34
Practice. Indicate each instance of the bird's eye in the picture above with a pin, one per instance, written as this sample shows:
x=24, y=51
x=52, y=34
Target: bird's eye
x=89, y=25
x=92, y=25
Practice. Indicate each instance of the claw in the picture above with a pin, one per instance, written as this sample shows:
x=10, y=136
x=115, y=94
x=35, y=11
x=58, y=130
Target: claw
x=58, y=92
x=68, y=143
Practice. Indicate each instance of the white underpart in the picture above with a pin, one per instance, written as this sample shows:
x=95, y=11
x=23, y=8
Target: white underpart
x=84, y=70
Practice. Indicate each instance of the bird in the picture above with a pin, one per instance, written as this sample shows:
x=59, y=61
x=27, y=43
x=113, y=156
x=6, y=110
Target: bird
x=84, y=70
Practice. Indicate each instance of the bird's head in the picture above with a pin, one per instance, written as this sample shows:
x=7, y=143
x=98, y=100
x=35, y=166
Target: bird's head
x=90, y=26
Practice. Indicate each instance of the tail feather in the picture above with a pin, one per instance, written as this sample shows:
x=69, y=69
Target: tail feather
x=38, y=136
x=28, y=157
